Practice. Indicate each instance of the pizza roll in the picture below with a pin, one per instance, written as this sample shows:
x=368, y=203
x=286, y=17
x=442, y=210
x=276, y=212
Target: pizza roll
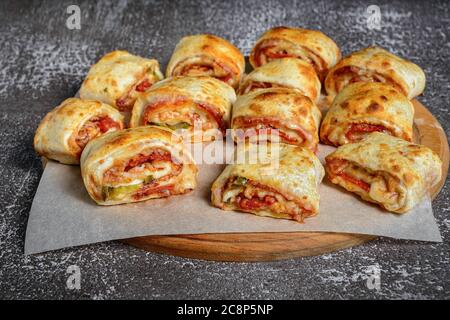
x=375, y=64
x=118, y=78
x=389, y=171
x=284, y=185
x=290, y=115
x=285, y=73
x=207, y=55
x=137, y=164
x=312, y=46
x=365, y=107
x=199, y=106
x=65, y=131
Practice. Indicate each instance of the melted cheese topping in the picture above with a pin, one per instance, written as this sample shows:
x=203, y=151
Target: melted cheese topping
x=280, y=206
x=186, y=113
x=384, y=188
x=230, y=194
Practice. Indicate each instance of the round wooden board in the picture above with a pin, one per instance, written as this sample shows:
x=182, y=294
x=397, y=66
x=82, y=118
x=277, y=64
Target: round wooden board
x=277, y=246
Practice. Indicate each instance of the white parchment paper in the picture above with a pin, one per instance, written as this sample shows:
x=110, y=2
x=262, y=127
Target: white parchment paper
x=63, y=215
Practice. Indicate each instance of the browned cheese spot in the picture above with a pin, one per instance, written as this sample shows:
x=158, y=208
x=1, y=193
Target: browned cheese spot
x=303, y=112
x=408, y=178
x=256, y=107
x=374, y=107
x=344, y=105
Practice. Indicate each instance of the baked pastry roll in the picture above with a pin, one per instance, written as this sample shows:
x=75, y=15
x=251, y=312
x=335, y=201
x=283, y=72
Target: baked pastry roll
x=312, y=46
x=389, y=171
x=118, y=78
x=365, y=107
x=285, y=73
x=207, y=55
x=289, y=191
x=375, y=64
x=286, y=113
x=137, y=164
x=65, y=131
x=198, y=105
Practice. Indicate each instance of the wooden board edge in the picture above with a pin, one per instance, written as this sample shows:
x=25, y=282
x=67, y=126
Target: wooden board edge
x=199, y=247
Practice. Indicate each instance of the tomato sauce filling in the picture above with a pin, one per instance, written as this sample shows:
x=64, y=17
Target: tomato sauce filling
x=126, y=102
x=255, y=196
x=379, y=186
x=266, y=126
x=339, y=167
x=358, y=182
x=352, y=74
x=268, y=52
x=139, y=167
x=255, y=202
x=215, y=115
x=93, y=128
x=143, y=85
x=157, y=155
x=358, y=130
x=216, y=70
x=150, y=189
x=278, y=54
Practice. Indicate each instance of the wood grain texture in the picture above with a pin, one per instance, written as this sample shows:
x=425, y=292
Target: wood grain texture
x=277, y=246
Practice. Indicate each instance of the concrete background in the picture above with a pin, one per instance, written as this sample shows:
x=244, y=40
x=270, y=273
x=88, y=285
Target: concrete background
x=42, y=62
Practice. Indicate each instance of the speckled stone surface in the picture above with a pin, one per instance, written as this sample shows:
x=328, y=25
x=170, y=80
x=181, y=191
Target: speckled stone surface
x=42, y=62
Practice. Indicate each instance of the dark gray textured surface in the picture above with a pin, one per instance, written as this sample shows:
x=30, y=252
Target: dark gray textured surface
x=42, y=62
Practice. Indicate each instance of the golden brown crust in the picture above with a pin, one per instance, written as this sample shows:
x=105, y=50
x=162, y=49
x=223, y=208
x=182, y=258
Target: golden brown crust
x=310, y=45
x=375, y=64
x=291, y=171
x=179, y=98
x=283, y=109
x=206, y=54
x=367, y=103
x=401, y=172
x=288, y=73
x=102, y=154
x=118, y=78
x=55, y=136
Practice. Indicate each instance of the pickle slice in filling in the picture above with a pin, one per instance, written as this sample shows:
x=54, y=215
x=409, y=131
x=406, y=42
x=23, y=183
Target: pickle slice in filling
x=240, y=181
x=121, y=192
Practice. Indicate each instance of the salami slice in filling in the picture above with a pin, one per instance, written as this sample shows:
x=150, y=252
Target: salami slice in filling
x=212, y=69
x=147, y=173
x=250, y=196
x=358, y=131
x=93, y=128
x=352, y=74
x=183, y=114
x=271, y=49
x=267, y=126
x=126, y=102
